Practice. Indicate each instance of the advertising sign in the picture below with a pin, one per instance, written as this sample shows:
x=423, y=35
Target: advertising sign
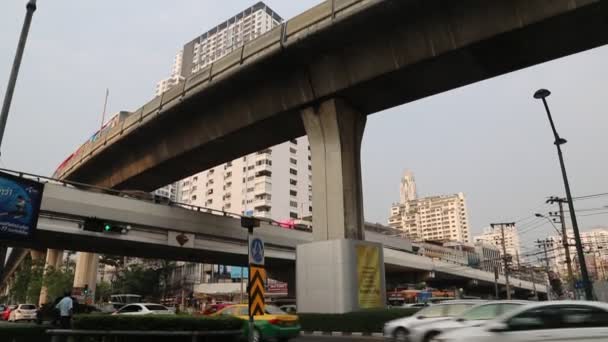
x=19, y=206
x=369, y=277
x=239, y=272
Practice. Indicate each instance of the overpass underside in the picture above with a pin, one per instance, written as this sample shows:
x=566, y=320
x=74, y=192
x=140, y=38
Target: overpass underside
x=386, y=54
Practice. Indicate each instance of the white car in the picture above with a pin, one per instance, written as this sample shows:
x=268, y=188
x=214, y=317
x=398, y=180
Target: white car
x=475, y=316
x=144, y=309
x=543, y=322
x=23, y=312
x=416, y=305
x=399, y=329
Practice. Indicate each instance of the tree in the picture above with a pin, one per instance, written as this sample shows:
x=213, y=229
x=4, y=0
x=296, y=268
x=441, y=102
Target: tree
x=164, y=272
x=18, y=291
x=139, y=280
x=35, y=282
x=103, y=291
x=58, y=281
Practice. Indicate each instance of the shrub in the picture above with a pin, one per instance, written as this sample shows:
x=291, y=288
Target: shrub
x=155, y=322
x=23, y=333
x=359, y=321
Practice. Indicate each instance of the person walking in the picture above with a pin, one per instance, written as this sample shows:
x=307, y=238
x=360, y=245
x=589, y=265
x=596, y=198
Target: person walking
x=65, y=307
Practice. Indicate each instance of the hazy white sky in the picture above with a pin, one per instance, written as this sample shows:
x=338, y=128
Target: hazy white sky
x=490, y=140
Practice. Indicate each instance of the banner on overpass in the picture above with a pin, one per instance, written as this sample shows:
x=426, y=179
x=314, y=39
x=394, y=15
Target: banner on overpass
x=19, y=206
x=369, y=277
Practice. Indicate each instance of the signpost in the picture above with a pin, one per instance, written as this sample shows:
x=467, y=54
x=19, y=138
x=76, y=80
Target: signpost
x=19, y=206
x=257, y=273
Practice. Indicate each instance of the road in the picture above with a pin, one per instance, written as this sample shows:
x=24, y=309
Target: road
x=335, y=339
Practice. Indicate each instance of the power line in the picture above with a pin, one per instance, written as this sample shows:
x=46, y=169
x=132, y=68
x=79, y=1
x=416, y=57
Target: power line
x=590, y=196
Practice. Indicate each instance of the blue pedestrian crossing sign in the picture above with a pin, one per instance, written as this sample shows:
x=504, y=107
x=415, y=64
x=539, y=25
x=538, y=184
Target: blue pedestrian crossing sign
x=256, y=251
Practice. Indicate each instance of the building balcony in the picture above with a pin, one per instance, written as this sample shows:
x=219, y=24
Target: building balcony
x=263, y=167
x=263, y=187
x=261, y=202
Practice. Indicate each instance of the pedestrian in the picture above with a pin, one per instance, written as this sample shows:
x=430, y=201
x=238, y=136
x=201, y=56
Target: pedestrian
x=65, y=307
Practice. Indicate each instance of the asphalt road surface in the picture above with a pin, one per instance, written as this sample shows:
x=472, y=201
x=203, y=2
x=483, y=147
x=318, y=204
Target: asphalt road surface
x=336, y=339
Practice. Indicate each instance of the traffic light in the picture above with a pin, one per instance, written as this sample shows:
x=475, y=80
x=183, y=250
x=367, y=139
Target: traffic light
x=93, y=224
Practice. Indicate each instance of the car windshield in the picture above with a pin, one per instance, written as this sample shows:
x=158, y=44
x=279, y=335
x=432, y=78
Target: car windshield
x=274, y=310
x=27, y=307
x=432, y=311
x=457, y=309
x=482, y=312
x=155, y=307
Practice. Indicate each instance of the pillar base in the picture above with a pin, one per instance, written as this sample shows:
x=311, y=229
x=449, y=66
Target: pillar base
x=338, y=276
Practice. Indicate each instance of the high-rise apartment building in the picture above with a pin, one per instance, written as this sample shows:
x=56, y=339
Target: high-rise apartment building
x=228, y=36
x=435, y=218
x=175, y=77
x=207, y=48
x=493, y=235
x=273, y=183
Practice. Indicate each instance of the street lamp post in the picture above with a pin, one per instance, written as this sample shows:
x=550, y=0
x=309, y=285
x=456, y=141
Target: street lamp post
x=12, y=80
x=543, y=94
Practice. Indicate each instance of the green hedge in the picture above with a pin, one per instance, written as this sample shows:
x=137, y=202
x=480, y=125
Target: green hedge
x=359, y=321
x=23, y=333
x=155, y=322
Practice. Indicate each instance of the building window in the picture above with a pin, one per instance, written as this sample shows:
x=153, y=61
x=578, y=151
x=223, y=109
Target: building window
x=293, y=193
x=309, y=167
x=292, y=150
x=310, y=208
x=293, y=172
x=293, y=141
x=194, y=197
x=293, y=215
x=249, y=189
x=293, y=161
x=293, y=204
x=293, y=182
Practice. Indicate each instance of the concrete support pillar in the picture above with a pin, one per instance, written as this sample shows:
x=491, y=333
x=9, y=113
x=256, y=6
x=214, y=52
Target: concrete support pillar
x=54, y=259
x=338, y=272
x=37, y=256
x=86, y=272
x=335, y=131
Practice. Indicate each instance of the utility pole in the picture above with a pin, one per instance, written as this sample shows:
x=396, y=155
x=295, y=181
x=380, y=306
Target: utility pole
x=505, y=257
x=12, y=80
x=497, y=293
x=543, y=244
x=565, y=240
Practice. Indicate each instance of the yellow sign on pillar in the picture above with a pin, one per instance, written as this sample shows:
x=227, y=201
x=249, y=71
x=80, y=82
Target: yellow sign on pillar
x=257, y=279
x=369, y=277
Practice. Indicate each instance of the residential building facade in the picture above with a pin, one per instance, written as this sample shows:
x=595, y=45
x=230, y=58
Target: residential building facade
x=435, y=218
x=228, y=36
x=274, y=183
x=175, y=77
x=204, y=50
x=595, y=244
x=493, y=235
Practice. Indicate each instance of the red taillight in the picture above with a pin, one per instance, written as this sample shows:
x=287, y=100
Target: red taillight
x=274, y=321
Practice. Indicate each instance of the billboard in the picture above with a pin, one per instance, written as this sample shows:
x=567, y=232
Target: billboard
x=369, y=277
x=19, y=206
x=239, y=272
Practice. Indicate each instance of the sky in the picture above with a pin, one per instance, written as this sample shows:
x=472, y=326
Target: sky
x=490, y=140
